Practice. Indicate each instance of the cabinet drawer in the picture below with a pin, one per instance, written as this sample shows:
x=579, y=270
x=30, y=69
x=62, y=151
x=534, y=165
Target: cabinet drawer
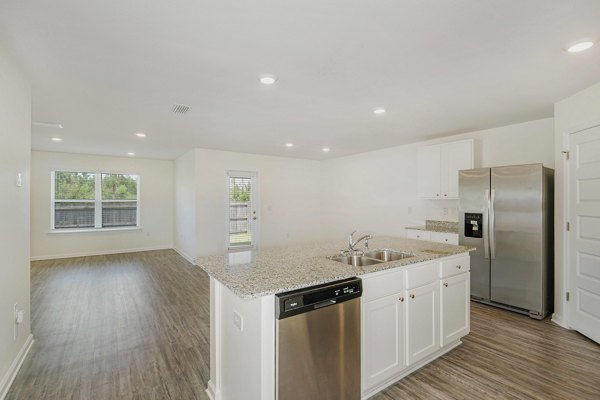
x=382, y=284
x=417, y=234
x=422, y=275
x=442, y=237
x=455, y=266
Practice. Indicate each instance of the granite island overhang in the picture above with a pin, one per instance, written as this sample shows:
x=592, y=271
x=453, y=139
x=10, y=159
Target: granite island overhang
x=243, y=286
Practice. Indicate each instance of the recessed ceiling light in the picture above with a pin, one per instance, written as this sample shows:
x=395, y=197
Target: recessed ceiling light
x=268, y=79
x=379, y=110
x=140, y=134
x=57, y=139
x=580, y=46
x=326, y=149
x=289, y=145
x=131, y=154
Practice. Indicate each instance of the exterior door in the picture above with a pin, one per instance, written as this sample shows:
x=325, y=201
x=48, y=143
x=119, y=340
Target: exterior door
x=516, y=241
x=242, y=210
x=584, y=235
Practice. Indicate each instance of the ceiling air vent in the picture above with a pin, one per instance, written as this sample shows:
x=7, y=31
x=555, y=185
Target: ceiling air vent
x=180, y=109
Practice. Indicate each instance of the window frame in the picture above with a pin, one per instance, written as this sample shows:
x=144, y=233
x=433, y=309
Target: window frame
x=97, y=202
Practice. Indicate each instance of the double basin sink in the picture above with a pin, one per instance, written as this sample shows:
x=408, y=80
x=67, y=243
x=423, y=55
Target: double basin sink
x=372, y=257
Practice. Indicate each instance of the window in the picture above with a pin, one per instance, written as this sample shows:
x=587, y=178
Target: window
x=241, y=215
x=94, y=200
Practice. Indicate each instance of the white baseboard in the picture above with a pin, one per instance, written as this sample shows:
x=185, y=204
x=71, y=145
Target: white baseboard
x=184, y=255
x=560, y=321
x=211, y=391
x=98, y=253
x=10, y=375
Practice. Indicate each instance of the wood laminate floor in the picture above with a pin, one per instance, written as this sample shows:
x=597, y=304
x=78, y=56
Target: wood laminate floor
x=136, y=326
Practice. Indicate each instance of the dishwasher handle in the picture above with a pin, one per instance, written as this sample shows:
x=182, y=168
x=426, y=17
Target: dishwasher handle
x=325, y=303
x=316, y=297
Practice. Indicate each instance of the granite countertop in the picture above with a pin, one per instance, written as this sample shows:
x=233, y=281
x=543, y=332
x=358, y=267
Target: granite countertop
x=437, y=226
x=255, y=273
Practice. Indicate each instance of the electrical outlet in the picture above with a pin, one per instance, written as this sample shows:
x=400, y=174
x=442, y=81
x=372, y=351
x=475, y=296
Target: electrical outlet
x=238, y=321
x=445, y=210
x=15, y=324
x=19, y=180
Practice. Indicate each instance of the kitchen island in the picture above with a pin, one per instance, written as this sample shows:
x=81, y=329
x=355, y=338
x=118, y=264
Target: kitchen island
x=413, y=310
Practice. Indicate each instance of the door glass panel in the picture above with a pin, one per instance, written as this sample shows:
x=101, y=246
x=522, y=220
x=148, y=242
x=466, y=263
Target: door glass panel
x=241, y=212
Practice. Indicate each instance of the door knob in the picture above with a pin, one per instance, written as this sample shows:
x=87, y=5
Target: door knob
x=446, y=284
x=412, y=296
x=401, y=299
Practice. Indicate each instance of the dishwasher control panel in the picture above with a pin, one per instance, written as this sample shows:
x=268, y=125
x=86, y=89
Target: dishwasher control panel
x=303, y=300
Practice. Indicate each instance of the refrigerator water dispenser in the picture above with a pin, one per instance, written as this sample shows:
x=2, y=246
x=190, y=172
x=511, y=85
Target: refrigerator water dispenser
x=473, y=225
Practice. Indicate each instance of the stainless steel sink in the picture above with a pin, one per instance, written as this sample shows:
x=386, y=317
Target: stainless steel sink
x=356, y=260
x=385, y=255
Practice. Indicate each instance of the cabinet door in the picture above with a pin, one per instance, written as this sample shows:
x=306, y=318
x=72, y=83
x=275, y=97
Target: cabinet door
x=418, y=234
x=443, y=237
x=423, y=313
x=429, y=172
x=383, y=353
x=455, y=309
x=455, y=156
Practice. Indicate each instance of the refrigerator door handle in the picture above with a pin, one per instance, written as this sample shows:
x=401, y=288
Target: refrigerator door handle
x=492, y=225
x=486, y=243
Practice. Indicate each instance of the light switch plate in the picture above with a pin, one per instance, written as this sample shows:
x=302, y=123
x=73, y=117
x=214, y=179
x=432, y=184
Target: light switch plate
x=19, y=180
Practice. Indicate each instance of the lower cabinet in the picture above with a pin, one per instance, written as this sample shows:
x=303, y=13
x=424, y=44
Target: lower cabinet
x=383, y=339
x=410, y=314
x=455, y=313
x=423, y=316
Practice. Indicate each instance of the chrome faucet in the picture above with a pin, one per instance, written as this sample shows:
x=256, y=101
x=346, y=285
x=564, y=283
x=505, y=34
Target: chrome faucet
x=352, y=243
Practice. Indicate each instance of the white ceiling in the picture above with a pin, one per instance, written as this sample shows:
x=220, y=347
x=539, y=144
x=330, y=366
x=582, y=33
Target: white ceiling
x=106, y=69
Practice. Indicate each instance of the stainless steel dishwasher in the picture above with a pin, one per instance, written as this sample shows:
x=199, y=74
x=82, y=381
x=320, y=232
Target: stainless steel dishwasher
x=318, y=342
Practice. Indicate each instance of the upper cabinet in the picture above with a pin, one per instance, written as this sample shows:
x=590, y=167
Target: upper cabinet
x=438, y=168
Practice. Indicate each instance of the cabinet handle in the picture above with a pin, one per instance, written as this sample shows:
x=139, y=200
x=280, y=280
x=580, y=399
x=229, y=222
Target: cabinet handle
x=418, y=236
x=437, y=194
x=445, y=240
x=401, y=299
x=445, y=195
x=459, y=266
x=412, y=296
x=446, y=284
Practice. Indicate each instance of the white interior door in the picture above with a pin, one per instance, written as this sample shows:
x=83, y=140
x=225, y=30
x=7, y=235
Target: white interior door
x=584, y=235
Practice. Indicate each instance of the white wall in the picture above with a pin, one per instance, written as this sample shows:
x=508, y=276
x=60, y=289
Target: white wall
x=376, y=192
x=15, y=139
x=156, y=206
x=288, y=195
x=184, y=238
x=575, y=112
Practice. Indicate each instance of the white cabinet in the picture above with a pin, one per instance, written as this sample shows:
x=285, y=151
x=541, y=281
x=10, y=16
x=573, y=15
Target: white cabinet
x=422, y=322
x=383, y=339
x=438, y=167
x=429, y=165
x=440, y=237
x=455, y=312
x=406, y=320
x=418, y=234
x=444, y=237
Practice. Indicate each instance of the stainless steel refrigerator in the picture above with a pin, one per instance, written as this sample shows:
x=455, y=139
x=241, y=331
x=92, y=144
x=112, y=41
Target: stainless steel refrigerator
x=506, y=213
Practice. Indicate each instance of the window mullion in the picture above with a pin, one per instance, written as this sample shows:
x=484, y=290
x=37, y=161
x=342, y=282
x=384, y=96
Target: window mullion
x=98, y=200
